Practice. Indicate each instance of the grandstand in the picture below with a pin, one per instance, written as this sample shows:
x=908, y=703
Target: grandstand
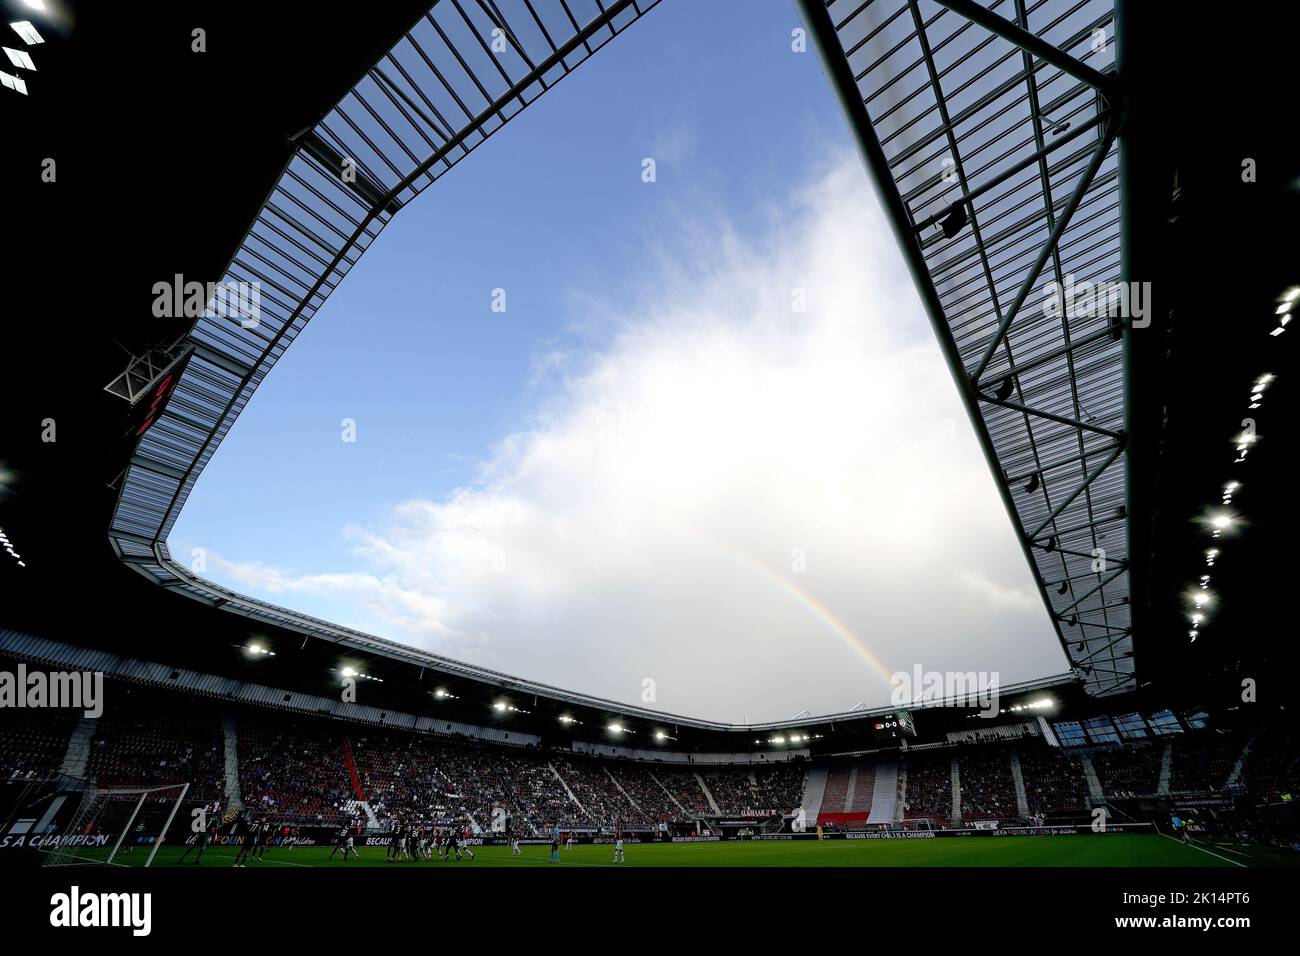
x=1103, y=439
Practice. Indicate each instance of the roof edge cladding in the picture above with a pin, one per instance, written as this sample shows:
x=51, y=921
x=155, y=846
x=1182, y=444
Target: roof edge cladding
x=989, y=130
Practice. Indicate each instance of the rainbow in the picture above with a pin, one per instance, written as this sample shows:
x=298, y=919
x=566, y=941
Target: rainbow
x=841, y=630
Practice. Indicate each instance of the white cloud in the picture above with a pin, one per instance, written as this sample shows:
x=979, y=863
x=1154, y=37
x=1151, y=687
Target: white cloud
x=998, y=596
x=648, y=523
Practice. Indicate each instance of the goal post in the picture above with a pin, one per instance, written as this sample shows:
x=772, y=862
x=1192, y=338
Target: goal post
x=116, y=827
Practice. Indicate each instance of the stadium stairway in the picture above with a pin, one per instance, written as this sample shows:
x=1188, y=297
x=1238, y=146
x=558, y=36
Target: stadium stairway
x=1234, y=776
x=1094, y=782
x=77, y=755
x=884, y=792
x=956, y=791
x=358, y=807
x=351, y=765
x=813, y=791
x=1018, y=779
x=230, y=765
x=578, y=803
x=1166, y=769
x=677, y=803
x=713, y=804
x=609, y=773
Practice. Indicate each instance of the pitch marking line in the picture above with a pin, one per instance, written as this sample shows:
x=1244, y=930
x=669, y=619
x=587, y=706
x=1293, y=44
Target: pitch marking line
x=1204, y=850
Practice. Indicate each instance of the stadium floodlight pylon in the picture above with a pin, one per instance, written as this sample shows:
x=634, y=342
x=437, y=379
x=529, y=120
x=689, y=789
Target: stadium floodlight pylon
x=117, y=827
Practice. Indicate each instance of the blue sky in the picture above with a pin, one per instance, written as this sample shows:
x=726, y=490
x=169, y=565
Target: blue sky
x=614, y=479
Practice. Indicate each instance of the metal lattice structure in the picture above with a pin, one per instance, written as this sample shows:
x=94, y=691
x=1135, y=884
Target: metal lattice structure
x=990, y=131
x=455, y=78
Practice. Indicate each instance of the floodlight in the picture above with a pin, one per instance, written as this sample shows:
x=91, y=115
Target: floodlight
x=20, y=59
x=27, y=32
x=16, y=84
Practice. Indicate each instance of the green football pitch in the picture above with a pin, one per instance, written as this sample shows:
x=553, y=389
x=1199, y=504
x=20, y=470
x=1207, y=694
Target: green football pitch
x=1117, y=850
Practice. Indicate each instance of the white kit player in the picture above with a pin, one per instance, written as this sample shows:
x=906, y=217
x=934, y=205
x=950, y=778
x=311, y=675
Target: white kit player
x=618, y=843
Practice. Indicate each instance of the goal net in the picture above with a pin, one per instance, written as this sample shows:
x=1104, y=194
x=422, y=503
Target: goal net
x=116, y=827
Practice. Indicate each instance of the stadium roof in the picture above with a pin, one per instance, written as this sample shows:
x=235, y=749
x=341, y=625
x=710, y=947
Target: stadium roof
x=456, y=77
x=991, y=135
x=54, y=502
x=958, y=115
x=1000, y=172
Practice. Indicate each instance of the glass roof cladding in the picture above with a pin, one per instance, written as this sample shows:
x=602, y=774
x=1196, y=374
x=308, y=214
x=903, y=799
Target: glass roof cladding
x=990, y=130
x=459, y=75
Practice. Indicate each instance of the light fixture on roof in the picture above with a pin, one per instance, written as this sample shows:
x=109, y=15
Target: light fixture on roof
x=13, y=83
x=616, y=728
x=1004, y=389
x=27, y=33
x=566, y=719
x=20, y=59
x=1032, y=485
x=955, y=219
x=1056, y=128
x=37, y=5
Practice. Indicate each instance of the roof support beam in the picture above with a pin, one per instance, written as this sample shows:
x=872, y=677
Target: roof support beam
x=977, y=13
x=1065, y=502
x=1085, y=181
x=1101, y=584
x=1059, y=419
x=1038, y=156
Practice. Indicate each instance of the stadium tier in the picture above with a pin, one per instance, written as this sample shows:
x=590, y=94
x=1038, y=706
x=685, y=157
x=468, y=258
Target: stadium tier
x=315, y=772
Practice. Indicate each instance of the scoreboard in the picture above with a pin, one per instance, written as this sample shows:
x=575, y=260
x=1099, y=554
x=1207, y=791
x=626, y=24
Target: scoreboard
x=894, y=725
x=150, y=406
